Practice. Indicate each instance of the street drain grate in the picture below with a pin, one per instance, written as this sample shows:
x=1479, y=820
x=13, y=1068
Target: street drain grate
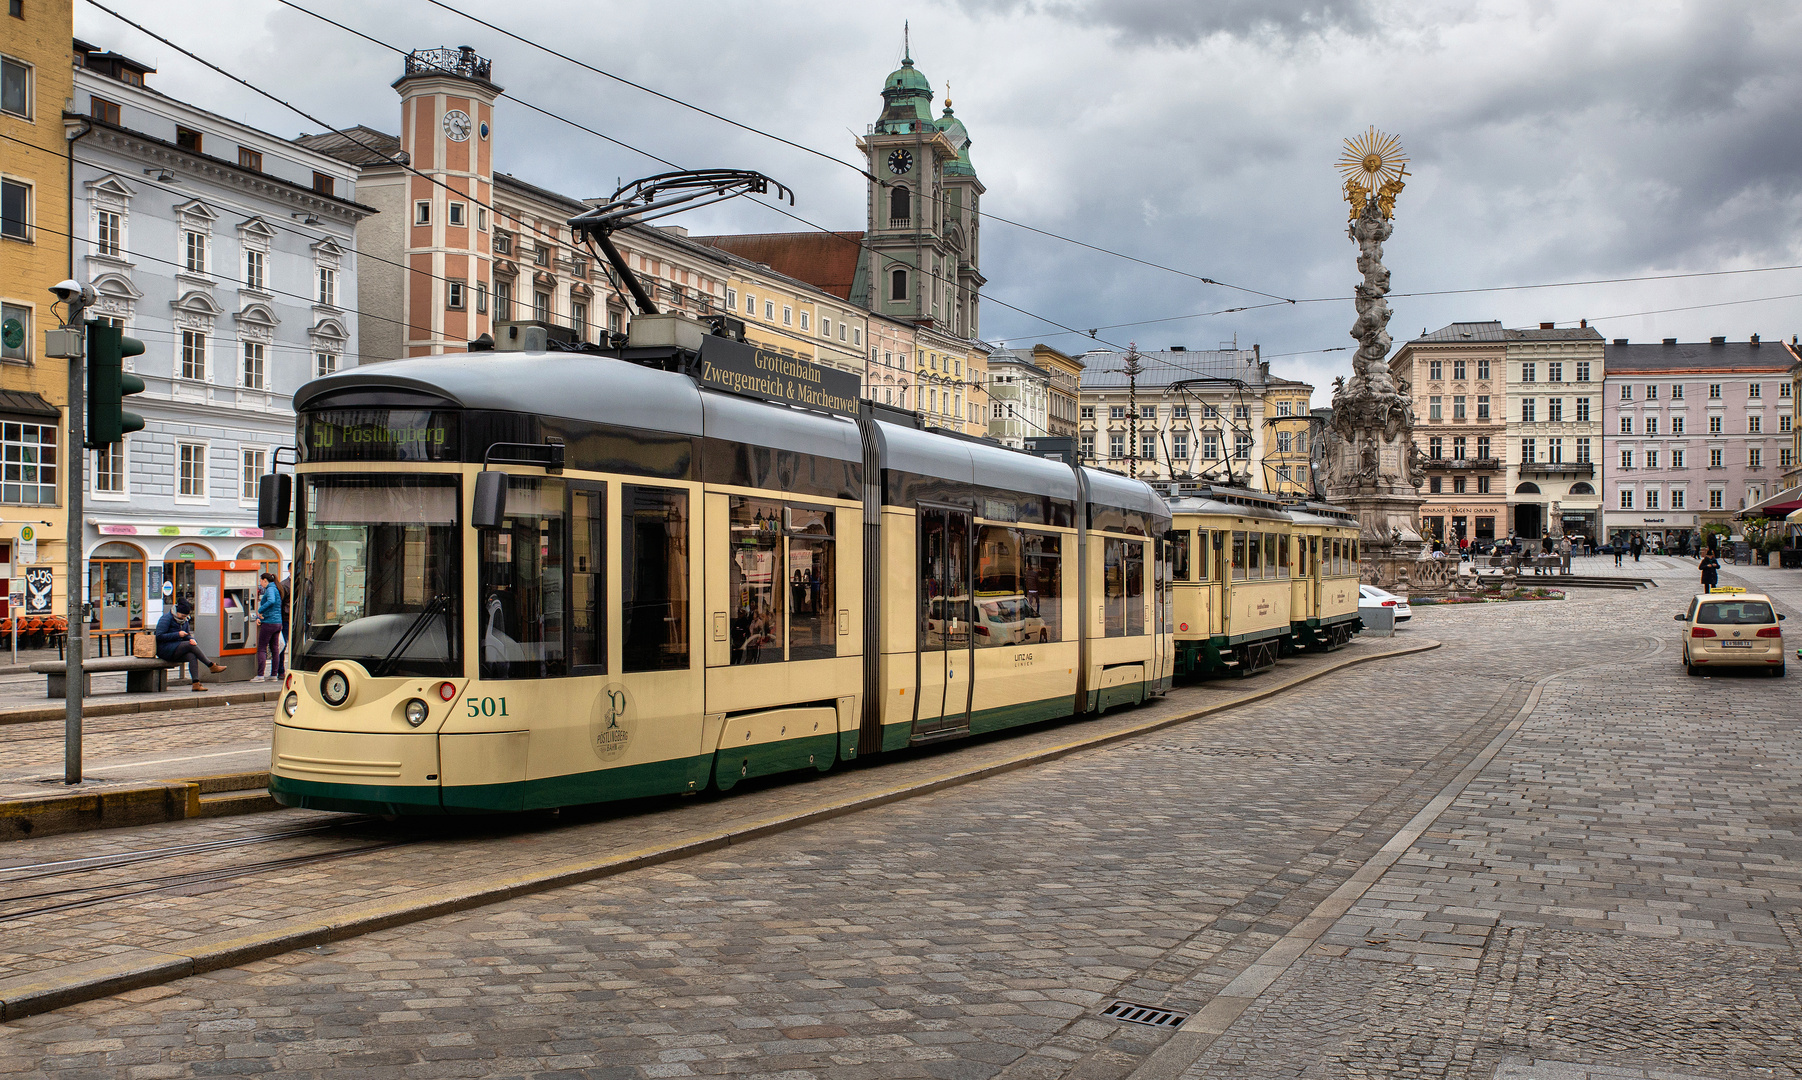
x=1144, y=1014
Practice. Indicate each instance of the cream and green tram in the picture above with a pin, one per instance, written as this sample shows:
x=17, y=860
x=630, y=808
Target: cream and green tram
x=1325, y=604
x=537, y=579
x=1231, y=571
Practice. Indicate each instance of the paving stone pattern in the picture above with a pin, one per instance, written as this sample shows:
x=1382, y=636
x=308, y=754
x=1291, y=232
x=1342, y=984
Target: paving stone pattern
x=1614, y=897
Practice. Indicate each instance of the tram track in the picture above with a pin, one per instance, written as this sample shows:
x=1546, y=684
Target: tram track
x=160, y=962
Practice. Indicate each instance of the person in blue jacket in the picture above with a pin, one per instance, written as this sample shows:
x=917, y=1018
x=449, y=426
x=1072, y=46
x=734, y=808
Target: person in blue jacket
x=269, y=630
x=175, y=643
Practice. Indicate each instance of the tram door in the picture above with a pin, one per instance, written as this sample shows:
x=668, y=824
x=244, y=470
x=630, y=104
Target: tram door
x=946, y=642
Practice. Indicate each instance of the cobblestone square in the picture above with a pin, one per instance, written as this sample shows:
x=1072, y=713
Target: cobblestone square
x=1539, y=852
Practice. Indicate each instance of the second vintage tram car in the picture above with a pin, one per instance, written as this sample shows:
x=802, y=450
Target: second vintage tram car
x=542, y=578
x=1324, y=610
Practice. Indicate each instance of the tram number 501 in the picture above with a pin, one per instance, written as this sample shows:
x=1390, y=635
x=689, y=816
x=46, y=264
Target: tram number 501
x=486, y=706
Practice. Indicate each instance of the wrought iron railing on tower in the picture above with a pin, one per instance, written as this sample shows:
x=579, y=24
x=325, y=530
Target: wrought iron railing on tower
x=461, y=61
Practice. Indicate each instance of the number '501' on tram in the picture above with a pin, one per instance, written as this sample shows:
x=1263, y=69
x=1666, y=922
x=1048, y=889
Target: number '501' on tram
x=543, y=578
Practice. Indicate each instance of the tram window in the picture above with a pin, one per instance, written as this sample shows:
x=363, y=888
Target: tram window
x=1311, y=549
x=1204, y=561
x=587, y=579
x=757, y=604
x=379, y=567
x=522, y=584
x=1332, y=560
x=812, y=569
x=944, y=579
x=1276, y=556
x=1179, y=553
x=1042, y=586
x=1018, y=587
x=1135, y=588
x=653, y=540
x=1114, y=588
x=1254, y=557
x=1238, y=556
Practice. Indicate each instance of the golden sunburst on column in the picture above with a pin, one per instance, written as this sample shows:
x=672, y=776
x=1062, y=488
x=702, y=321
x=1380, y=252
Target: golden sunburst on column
x=1373, y=164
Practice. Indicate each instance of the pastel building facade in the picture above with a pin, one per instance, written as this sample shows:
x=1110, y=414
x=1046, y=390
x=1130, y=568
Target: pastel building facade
x=1458, y=378
x=228, y=251
x=1696, y=433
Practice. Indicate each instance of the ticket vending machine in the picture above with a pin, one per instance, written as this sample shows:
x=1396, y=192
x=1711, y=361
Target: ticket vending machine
x=225, y=597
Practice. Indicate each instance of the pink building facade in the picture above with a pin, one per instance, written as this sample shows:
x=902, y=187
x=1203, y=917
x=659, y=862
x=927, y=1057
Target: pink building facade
x=1692, y=433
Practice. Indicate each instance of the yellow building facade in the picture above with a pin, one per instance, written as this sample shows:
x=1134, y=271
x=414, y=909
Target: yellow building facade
x=38, y=82
x=1287, y=447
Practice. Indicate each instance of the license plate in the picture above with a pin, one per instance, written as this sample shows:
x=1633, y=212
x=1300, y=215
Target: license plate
x=1736, y=644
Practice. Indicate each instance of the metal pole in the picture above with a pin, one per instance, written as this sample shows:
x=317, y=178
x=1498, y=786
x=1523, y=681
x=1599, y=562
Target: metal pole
x=74, y=457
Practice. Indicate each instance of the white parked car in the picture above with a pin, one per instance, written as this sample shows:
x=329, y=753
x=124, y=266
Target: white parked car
x=1369, y=596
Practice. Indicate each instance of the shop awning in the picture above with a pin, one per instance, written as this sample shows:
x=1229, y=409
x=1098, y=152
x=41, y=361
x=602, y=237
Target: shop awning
x=1780, y=505
x=25, y=403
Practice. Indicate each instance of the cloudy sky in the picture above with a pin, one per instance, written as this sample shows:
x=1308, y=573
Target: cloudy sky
x=1552, y=141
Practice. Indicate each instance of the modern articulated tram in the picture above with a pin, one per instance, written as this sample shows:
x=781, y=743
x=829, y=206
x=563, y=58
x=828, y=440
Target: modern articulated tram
x=545, y=578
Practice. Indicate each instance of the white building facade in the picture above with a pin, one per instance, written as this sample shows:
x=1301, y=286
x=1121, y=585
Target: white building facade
x=227, y=251
x=1019, y=397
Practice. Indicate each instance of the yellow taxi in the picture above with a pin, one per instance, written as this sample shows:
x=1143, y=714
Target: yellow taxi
x=1728, y=627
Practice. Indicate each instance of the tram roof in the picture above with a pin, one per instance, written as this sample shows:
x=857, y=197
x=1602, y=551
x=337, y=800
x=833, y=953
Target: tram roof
x=1112, y=489
x=1207, y=504
x=585, y=387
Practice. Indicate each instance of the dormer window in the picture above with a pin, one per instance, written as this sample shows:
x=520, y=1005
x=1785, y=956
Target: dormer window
x=187, y=138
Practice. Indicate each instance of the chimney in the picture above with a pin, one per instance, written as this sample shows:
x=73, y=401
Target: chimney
x=1583, y=324
x=1545, y=326
x=1620, y=341
x=1717, y=341
x=1755, y=341
x=1670, y=341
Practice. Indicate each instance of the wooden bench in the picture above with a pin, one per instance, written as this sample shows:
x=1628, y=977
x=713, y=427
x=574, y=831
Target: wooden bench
x=141, y=676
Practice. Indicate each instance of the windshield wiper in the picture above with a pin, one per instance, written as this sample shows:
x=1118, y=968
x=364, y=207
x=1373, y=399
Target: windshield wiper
x=414, y=629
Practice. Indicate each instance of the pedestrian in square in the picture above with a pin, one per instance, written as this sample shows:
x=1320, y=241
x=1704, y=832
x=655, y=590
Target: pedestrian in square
x=1711, y=571
x=1636, y=545
x=1619, y=550
x=175, y=643
x=269, y=630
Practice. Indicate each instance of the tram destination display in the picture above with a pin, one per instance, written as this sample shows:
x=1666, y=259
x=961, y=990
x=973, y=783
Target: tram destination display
x=741, y=369
x=380, y=435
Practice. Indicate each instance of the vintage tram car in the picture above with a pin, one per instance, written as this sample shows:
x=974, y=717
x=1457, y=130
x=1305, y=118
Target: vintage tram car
x=536, y=578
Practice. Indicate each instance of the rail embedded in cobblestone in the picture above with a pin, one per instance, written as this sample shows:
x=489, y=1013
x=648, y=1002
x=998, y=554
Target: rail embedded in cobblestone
x=66, y=984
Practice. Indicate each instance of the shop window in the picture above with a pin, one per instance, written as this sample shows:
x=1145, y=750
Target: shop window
x=116, y=587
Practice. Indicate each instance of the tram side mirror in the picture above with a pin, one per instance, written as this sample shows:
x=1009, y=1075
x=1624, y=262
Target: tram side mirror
x=491, y=499
x=275, y=498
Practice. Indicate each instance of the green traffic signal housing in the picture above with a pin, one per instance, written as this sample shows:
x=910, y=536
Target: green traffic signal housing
x=109, y=385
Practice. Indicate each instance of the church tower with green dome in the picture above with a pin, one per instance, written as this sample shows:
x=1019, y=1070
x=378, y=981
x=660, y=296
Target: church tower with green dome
x=921, y=266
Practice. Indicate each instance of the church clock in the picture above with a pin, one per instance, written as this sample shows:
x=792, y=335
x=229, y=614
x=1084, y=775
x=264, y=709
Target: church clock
x=900, y=162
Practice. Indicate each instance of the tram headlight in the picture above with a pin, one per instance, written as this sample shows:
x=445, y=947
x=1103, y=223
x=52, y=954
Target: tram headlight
x=335, y=688
x=291, y=703
x=416, y=712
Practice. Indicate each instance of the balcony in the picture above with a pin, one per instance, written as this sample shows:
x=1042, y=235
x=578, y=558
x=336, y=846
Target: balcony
x=1481, y=464
x=1557, y=468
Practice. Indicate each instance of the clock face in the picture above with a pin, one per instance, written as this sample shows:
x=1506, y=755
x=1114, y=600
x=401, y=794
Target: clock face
x=456, y=125
x=900, y=162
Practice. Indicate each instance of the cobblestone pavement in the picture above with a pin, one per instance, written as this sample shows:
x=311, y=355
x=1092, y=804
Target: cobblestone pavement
x=1612, y=891
x=417, y=854
x=135, y=746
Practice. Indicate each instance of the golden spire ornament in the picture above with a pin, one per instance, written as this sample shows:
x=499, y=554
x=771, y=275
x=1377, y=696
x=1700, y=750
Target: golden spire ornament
x=1373, y=164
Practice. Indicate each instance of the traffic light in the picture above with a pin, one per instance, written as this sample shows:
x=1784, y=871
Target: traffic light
x=108, y=385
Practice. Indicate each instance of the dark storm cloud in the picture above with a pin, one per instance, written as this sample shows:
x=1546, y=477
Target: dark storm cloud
x=1550, y=140
x=1188, y=21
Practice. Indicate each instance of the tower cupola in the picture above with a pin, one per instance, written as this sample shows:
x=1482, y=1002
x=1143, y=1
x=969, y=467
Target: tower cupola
x=906, y=101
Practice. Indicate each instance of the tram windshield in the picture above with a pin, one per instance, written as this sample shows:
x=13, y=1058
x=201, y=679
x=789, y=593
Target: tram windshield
x=379, y=573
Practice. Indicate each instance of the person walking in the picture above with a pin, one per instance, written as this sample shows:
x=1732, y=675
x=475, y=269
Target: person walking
x=1564, y=553
x=1711, y=571
x=1619, y=550
x=175, y=644
x=269, y=630
x=1636, y=545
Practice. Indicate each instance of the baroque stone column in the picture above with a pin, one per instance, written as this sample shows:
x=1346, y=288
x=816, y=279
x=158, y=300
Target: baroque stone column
x=1373, y=467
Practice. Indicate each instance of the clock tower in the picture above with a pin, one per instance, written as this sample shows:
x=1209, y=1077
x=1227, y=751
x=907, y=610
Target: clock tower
x=447, y=113
x=921, y=266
